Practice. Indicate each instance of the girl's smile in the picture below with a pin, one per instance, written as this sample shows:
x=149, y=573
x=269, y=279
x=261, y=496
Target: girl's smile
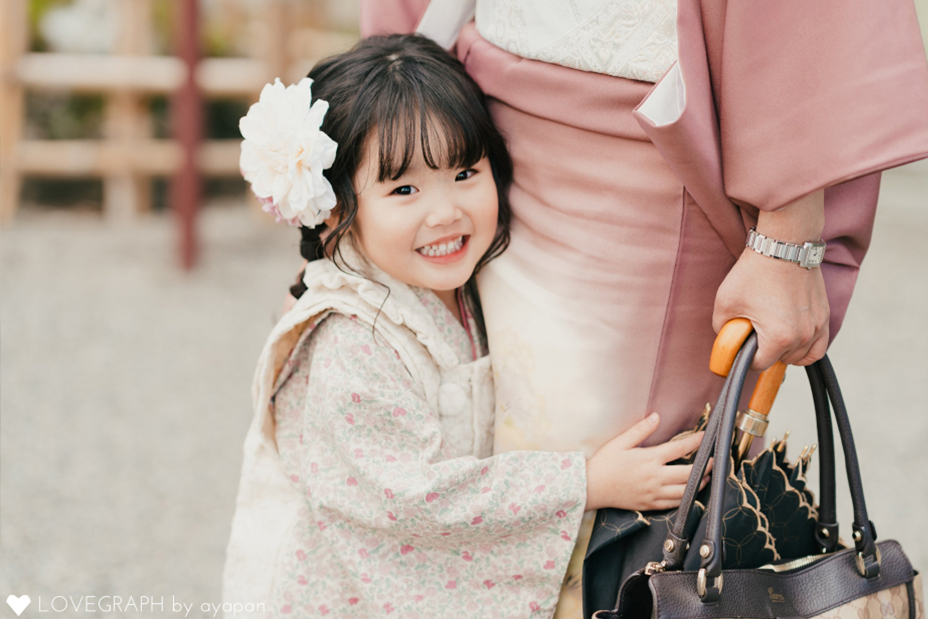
x=445, y=250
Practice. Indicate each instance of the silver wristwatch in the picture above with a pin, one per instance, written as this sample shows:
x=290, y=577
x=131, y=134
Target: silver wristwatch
x=808, y=255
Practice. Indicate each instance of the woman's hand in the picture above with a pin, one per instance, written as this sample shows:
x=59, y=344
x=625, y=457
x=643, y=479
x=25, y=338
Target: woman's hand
x=786, y=303
x=621, y=474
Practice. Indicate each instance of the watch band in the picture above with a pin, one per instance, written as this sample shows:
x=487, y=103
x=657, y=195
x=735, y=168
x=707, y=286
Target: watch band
x=808, y=255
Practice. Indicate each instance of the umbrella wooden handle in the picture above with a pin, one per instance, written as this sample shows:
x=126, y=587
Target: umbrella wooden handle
x=765, y=392
x=753, y=421
x=726, y=346
x=768, y=385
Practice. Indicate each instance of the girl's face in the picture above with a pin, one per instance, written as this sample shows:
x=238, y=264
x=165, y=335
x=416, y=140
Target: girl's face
x=428, y=228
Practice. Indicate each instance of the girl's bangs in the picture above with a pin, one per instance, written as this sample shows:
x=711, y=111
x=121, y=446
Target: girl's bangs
x=409, y=120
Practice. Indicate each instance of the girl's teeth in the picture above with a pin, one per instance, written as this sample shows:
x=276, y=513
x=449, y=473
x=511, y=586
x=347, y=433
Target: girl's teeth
x=443, y=249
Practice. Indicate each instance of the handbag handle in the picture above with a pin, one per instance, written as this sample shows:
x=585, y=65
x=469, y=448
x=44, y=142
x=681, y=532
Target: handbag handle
x=729, y=341
x=826, y=529
x=864, y=533
x=727, y=344
x=676, y=544
x=709, y=578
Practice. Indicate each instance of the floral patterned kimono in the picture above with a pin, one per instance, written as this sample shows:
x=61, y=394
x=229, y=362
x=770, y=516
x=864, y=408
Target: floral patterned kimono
x=366, y=490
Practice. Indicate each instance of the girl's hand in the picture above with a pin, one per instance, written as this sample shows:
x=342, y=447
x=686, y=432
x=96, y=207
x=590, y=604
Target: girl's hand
x=621, y=474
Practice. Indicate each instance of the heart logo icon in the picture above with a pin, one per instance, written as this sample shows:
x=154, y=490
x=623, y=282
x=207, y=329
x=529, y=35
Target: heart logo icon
x=18, y=604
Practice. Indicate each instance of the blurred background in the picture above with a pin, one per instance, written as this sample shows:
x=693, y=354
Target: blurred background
x=132, y=310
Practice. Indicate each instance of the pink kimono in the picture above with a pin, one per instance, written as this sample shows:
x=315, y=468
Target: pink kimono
x=624, y=227
x=782, y=99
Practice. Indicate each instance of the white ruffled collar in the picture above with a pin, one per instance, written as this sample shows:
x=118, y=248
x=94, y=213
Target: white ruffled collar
x=393, y=299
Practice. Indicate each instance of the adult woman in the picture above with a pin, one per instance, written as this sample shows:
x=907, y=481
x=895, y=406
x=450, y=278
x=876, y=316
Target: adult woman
x=631, y=202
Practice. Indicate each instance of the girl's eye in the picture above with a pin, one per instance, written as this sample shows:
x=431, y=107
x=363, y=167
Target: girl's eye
x=405, y=190
x=466, y=174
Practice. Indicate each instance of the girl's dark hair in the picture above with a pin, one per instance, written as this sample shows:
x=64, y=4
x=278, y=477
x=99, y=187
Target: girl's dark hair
x=400, y=89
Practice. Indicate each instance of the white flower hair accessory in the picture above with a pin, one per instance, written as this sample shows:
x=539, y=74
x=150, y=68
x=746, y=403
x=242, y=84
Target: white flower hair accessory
x=284, y=153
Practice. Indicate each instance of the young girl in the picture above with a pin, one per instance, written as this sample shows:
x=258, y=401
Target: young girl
x=367, y=485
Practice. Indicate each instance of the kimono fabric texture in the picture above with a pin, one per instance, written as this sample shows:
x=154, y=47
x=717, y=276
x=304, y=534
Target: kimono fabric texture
x=365, y=488
x=600, y=311
x=623, y=229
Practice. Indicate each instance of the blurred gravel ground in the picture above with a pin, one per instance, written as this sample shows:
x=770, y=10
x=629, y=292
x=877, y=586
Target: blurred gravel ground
x=125, y=393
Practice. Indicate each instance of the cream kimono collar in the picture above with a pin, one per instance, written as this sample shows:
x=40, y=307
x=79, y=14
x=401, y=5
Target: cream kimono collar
x=462, y=393
x=338, y=287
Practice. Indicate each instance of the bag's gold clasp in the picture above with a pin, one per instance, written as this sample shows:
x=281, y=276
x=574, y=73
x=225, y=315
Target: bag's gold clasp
x=654, y=567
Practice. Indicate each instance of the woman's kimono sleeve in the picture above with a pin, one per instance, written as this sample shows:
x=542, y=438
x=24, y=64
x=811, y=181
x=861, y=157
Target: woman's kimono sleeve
x=776, y=100
x=500, y=528
x=818, y=95
x=812, y=94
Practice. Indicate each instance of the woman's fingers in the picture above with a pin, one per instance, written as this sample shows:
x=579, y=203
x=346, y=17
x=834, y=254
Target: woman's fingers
x=633, y=437
x=815, y=352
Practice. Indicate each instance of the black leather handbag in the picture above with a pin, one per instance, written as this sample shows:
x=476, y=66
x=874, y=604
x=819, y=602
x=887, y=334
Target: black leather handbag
x=771, y=515
x=867, y=581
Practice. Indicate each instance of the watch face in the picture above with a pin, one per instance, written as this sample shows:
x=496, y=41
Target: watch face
x=816, y=253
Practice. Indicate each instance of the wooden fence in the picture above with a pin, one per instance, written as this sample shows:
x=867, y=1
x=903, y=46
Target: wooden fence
x=128, y=156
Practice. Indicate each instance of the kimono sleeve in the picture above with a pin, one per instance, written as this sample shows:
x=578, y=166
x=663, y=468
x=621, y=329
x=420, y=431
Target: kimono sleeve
x=374, y=473
x=789, y=97
x=813, y=94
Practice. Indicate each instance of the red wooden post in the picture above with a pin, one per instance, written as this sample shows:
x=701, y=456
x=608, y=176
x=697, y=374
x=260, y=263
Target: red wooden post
x=187, y=118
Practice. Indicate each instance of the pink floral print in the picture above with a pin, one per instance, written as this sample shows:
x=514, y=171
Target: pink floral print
x=388, y=526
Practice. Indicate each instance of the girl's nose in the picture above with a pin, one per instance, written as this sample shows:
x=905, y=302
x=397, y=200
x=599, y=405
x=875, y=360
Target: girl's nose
x=445, y=212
